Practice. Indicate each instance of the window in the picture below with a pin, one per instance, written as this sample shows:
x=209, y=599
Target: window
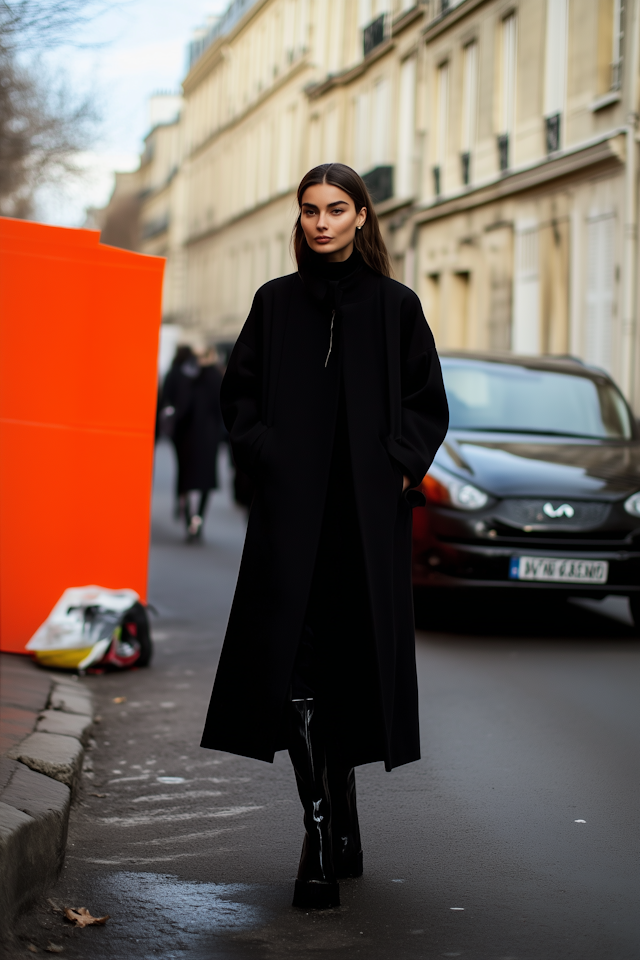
x=361, y=132
x=600, y=290
x=330, y=147
x=380, y=118
x=526, y=289
x=441, y=126
x=618, y=36
x=286, y=146
x=469, y=108
x=555, y=71
x=406, y=127
x=504, y=396
x=507, y=91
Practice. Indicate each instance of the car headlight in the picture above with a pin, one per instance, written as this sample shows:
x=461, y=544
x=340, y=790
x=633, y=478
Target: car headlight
x=632, y=504
x=441, y=487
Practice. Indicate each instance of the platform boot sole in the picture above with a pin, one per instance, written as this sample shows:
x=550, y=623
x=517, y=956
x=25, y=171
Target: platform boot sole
x=316, y=895
x=354, y=869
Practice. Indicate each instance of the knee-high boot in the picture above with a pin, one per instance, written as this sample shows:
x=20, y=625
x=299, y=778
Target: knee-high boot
x=345, y=829
x=316, y=885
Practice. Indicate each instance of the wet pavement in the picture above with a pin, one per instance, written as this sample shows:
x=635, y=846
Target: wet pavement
x=514, y=838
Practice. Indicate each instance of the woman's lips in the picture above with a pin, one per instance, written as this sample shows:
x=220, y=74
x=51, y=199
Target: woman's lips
x=324, y=239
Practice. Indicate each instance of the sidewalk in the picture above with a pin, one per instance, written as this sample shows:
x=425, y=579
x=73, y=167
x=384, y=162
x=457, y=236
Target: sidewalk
x=45, y=722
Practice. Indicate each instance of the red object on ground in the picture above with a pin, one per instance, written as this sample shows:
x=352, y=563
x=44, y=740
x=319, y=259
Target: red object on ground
x=79, y=326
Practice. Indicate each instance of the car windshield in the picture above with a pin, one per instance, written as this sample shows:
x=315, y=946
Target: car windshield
x=499, y=396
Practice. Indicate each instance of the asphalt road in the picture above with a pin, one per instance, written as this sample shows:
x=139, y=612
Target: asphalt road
x=514, y=838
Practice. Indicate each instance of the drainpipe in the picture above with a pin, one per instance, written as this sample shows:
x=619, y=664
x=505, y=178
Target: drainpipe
x=630, y=255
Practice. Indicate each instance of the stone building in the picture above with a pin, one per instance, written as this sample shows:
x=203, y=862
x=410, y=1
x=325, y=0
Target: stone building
x=498, y=139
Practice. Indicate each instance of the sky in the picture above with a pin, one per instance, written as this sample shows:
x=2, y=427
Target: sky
x=134, y=49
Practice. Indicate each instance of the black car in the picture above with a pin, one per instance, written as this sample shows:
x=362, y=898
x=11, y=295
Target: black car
x=537, y=484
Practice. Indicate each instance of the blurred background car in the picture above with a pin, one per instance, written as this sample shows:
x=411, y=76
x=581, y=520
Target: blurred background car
x=536, y=487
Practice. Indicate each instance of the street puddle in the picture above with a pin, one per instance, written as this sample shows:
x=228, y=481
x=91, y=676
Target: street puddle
x=159, y=909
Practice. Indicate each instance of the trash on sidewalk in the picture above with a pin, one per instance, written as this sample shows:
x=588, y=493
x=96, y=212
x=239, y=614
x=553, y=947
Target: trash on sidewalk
x=94, y=628
x=81, y=917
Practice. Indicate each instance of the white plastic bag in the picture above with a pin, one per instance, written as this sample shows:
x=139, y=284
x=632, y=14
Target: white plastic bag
x=80, y=629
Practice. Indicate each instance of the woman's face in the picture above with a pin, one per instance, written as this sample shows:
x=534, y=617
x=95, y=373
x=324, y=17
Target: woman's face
x=329, y=219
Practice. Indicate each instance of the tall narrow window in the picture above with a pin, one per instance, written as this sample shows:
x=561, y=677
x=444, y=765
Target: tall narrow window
x=469, y=108
x=380, y=123
x=555, y=71
x=334, y=45
x=526, y=289
x=507, y=91
x=315, y=141
x=441, y=127
x=406, y=128
x=330, y=146
x=285, y=148
x=616, y=52
x=600, y=290
x=361, y=132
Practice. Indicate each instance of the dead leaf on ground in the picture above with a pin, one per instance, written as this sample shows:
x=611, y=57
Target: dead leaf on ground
x=97, y=794
x=81, y=917
x=119, y=699
x=32, y=947
x=53, y=948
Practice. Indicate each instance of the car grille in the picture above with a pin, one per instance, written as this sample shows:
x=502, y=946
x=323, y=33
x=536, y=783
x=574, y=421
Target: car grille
x=552, y=515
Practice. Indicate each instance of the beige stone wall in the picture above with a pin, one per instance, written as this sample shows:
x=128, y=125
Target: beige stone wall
x=527, y=255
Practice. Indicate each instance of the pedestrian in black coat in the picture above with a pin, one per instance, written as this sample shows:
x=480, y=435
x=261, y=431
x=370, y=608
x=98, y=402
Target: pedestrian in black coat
x=335, y=406
x=192, y=395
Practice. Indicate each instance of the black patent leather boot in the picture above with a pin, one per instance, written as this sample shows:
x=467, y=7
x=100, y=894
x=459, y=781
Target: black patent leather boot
x=316, y=885
x=345, y=829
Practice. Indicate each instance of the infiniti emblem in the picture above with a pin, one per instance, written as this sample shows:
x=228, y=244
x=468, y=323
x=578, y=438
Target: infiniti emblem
x=564, y=510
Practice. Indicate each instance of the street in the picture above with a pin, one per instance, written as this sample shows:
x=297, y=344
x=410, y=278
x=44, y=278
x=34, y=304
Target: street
x=514, y=838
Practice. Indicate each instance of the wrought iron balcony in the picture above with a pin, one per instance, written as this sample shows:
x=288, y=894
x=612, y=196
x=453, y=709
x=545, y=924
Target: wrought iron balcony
x=379, y=183
x=373, y=34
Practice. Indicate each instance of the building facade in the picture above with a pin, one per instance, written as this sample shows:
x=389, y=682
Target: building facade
x=498, y=139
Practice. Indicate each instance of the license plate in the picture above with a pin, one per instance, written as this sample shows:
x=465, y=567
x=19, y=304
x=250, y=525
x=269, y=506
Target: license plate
x=558, y=570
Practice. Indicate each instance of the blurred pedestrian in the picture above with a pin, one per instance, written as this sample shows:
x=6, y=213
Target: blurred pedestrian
x=191, y=416
x=335, y=406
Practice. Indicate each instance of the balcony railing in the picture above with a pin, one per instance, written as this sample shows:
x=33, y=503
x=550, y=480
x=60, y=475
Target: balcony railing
x=153, y=228
x=437, y=181
x=552, y=132
x=374, y=34
x=503, y=152
x=465, y=168
x=379, y=183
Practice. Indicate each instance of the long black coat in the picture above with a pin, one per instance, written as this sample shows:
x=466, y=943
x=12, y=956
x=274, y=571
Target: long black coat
x=279, y=403
x=194, y=393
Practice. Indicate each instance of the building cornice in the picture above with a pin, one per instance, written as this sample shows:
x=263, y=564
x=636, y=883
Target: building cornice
x=231, y=221
x=240, y=117
x=404, y=20
x=210, y=57
x=607, y=150
x=316, y=90
x=449, y=19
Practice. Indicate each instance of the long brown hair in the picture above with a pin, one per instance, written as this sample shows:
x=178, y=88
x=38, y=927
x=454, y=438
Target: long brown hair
x=368, y=240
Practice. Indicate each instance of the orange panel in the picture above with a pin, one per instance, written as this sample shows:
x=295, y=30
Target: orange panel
x=79, y=326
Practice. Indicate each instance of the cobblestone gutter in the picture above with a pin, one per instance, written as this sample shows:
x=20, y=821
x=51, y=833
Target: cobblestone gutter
x=45, y=723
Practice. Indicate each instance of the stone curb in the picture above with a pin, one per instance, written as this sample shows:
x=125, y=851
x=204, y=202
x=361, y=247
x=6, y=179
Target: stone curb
x=39, y=776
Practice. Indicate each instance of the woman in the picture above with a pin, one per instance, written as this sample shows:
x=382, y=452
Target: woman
x=191, y=405
x=335, y=405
